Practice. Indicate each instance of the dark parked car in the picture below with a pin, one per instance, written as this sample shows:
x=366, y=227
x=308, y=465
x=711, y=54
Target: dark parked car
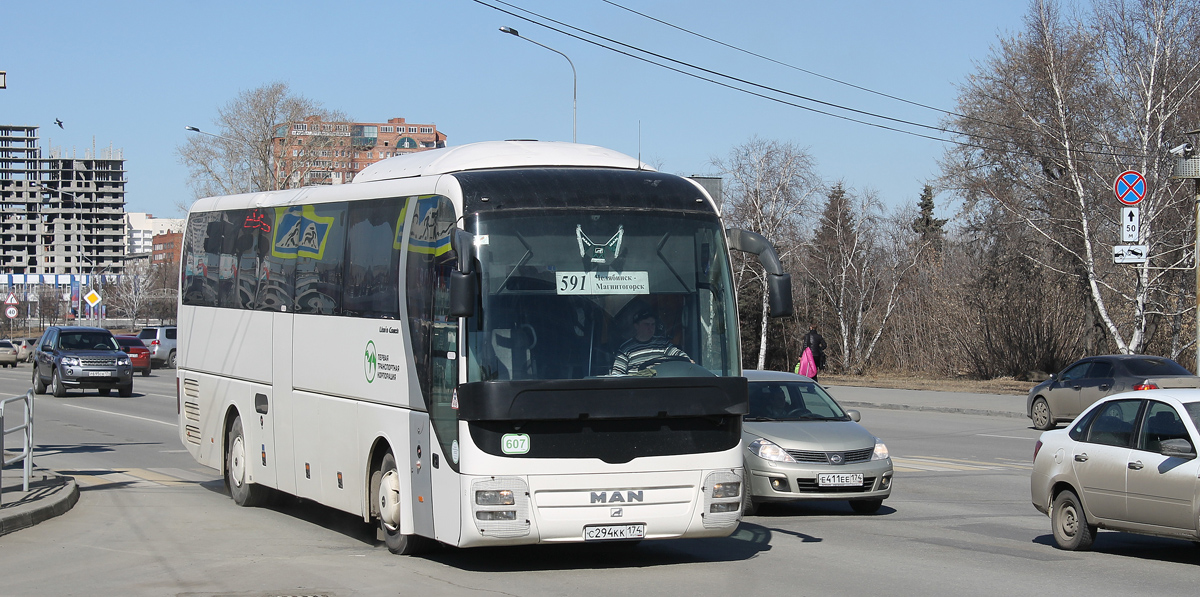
x=139, y=355
x=1065, y=395
x=81, y=358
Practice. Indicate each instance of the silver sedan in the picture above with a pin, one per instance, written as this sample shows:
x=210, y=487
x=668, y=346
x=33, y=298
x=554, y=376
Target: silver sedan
x=801, y=445
x=1128, y=463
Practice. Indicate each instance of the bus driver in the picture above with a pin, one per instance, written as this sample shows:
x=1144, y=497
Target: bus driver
x=644, y=346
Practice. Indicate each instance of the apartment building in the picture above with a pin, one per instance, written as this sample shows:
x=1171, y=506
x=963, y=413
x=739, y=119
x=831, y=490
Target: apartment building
x=141, y=228
x=317, y=152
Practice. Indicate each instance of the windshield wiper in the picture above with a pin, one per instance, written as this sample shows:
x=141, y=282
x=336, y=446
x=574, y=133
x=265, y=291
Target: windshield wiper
x=760, y=419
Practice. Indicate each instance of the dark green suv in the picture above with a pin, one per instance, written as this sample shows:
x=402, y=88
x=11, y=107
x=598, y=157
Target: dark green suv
x=81, y=358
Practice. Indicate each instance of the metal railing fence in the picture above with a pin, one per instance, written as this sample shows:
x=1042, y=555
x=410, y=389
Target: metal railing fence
x=26, y=430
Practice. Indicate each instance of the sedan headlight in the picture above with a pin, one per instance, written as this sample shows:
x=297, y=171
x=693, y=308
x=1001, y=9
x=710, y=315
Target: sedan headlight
x=769, y=450
x=70, y=361
x=881, y=451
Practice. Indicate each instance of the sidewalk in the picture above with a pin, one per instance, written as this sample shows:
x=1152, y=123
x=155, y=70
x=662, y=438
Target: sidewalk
x=992, y=405
x=49, y=495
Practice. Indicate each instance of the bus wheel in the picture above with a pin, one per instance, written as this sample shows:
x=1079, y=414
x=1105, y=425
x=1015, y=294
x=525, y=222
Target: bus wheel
x=243, y=492
x=386, y=493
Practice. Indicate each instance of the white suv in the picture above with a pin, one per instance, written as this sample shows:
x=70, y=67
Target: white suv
x=160, y=339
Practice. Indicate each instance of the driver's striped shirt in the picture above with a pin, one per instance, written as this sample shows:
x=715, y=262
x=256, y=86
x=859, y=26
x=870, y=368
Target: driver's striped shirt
x=634, y=354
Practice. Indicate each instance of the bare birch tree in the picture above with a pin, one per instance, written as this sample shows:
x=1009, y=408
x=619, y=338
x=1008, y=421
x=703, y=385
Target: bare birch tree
x=251, y=130
x=857, y=263
x=1051, y=120
x=131, y=294
x=770, y=184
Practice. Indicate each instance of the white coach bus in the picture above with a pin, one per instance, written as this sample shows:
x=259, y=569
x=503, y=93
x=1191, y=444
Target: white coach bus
x=432, y=346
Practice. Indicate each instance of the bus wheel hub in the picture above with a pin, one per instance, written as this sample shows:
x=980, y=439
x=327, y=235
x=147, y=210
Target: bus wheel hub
x=389, y=499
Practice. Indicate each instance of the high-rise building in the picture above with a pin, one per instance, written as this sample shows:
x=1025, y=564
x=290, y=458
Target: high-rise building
x=314, y=151
x=59, y=214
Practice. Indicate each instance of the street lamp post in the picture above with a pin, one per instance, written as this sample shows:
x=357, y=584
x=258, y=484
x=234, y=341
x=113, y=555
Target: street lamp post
x=574, y=77
x=1187, y=166
x=251, y=146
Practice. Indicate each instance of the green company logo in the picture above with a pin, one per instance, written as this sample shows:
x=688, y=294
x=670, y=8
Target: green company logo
x=370, y=362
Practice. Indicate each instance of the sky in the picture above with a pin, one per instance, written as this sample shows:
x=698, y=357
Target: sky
x=131, y=75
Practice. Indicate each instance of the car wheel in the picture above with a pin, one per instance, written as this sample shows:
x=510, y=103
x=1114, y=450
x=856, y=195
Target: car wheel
x=244, y=492
x=1043, y=419
x=57, y=387
x=38, y=386
x=866, y=506
x=171, y=360
x=104, y=391
x=385, y=495
x=1069, y=523
x=146, y=372
x=125, y=391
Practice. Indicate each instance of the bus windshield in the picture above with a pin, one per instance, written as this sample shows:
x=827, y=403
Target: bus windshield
x=573, y=294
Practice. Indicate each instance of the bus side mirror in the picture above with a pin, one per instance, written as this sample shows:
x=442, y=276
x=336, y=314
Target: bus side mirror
x=463, y=286
x=463, y=292
x=779, y=298
x=779, y=284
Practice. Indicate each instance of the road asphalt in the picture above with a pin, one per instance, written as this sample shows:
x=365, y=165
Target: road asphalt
x=51, y=494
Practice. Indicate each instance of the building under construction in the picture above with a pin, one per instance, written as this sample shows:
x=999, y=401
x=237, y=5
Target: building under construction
x=59, y=213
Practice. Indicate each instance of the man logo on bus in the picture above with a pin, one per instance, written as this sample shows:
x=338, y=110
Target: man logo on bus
x=371, y=362
x=596, y=252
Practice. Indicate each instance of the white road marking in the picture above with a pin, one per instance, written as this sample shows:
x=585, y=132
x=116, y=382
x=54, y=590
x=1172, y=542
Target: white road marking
x=1005, y=436
x=96, y=410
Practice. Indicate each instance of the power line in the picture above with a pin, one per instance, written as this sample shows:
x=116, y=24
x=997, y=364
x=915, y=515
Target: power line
x=771, y=89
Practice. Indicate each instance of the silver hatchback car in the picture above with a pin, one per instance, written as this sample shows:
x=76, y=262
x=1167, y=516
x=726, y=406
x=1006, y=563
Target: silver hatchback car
x=1128, y=463
x=801, y=445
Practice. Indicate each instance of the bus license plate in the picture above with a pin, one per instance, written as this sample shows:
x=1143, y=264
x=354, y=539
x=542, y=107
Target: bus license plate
x=839, y=479
x=614, y=531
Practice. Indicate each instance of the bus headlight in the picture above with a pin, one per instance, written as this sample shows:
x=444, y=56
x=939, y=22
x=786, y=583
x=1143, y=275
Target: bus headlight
x=502, y=507
x=726, y=490
x=496, y=515
x=495, y=497
x=725, y=507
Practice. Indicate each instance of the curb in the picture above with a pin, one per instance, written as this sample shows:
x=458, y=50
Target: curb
x=939, y=409
x=52, y=496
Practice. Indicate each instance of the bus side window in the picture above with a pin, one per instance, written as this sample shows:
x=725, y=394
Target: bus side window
x=319, y=238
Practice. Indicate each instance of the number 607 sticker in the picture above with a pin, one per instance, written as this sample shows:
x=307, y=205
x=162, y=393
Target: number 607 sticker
x=514, y=443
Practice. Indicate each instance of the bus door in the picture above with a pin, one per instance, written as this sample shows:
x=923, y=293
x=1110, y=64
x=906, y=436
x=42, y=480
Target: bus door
x=435, y=351
x=443, y=415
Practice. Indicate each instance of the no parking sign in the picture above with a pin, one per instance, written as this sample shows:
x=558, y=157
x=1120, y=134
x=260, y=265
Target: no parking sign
x=1130, y=187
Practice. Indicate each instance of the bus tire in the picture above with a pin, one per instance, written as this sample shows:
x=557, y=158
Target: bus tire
x=244, y=493
x=385, y=495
